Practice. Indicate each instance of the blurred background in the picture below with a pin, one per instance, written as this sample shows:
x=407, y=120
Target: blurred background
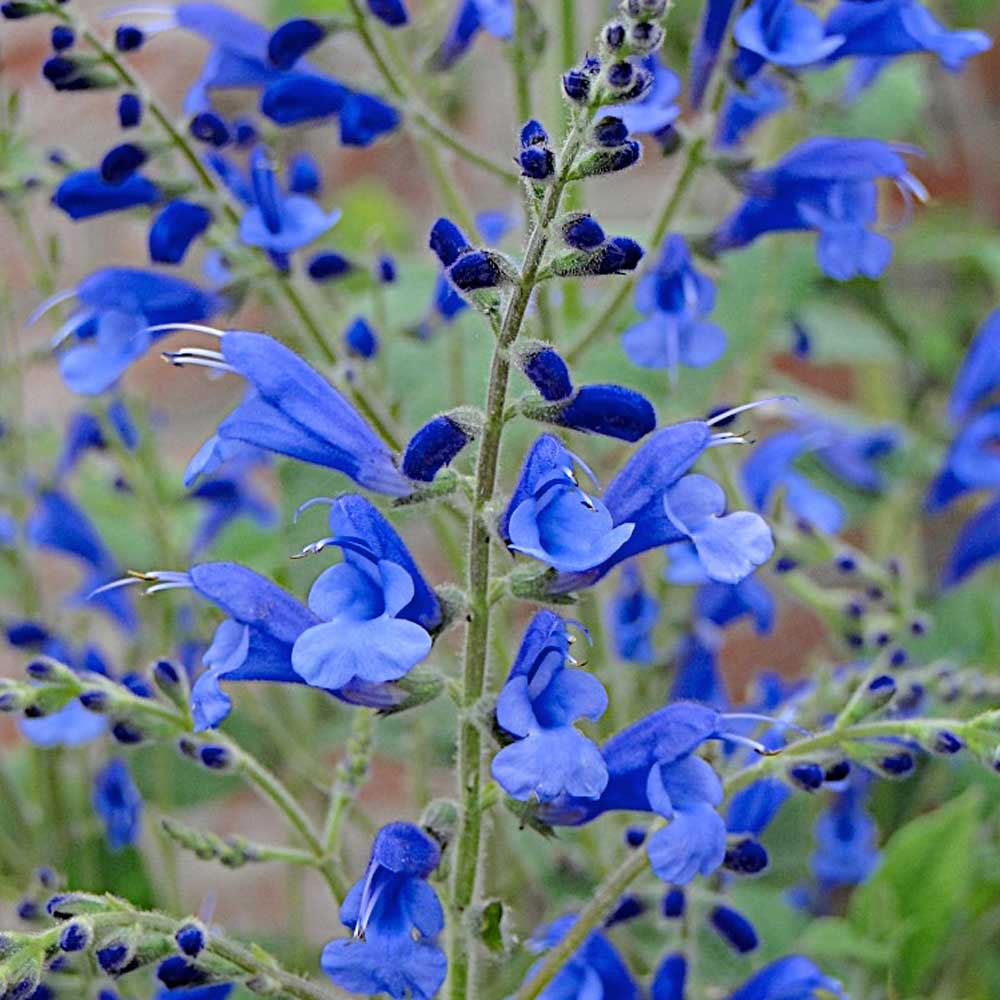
x=885, y=351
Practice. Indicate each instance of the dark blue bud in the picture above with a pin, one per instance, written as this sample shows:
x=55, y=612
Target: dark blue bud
x=882, y=639
x=854, y=640
x=188, y=748
x=583, y=232
x=16, y=10
x=612, y=410
x=646, y=36
x=748, y=857
x=576, y=86
x=898, y=657
x=854, y=609
x=614, y=35
x=303, y=174
x=475, y=270
x=41, y=670
x=137, y=684
x=244, y=132
x=875, y=593
x=671, y=978
x=734, y=929
x=63, y=37
x=28, y=910
x=837, y=772
x=537, y=163
x=360, y=340
x=166, y=674
x=27, y=634
x=214, y=757
x=434, y=446
x=126, y=734
x=801, y=340
x=635, y=836
x=34, y=712
x=328, y=265
x=548, y=372
x=881, y=688
x=211, y=128
x=121, y=162
x=291, y=40
x=646, y=9
x=447, y=241
x=620, y=75
x=95, y=700
x=910, y=699
x=898, y=764
x=46, y=877
x=674, y=904
x=629, y=907
x=619, y=255
x=807, y=776
x=10, y=701
x=129, y=110
x=190, y=939
x=128, y=38
x=846, y=563
x=177, y=972
x=23, y=989
x=785, y=564
x=114, y=957
x=918, y=626
x=75, y=936
x=60, y=907
x=625, y=156
x=178, y=224
x=947, y=743
x=610, y=132
x=386, y=269
x=58, y=69
x=533, y=134
x=391, y=12
x=641, y=85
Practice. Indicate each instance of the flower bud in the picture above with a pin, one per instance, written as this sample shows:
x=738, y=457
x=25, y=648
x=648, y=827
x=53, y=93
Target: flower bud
x=447, y=241
x=328, y=265
x=671, y=978
x=95, y=700
x=674, y=904
x=121, y=162
x=748, y=857
x=646, y=37
x=210, y=128
x=176, y=972
x=63, y=37
x=390, y=12
x=607, y=161
x=897, y=765
x=16, y=10
x=214, y=757
x=620, y=75
x=582, y=232
x=635, y=836
x=440, y=820
x=610, y=132
x=646, y=9
x=478, y=269
x=576, y=85
x=546, y=369
x=533, y=134
x=611, y=410
x=190, y=938
x=126, y=734
x=808, y=777
x=629, y=907
x=436, y=445
x=129, y=110
x=360, y=340
x=76, y=936
x=129, y=37
x=537, y=163
x=947, y=743
x=734, y=929
x=293, y=39
x=67, y=905
x=613, y=35
x=837, y=772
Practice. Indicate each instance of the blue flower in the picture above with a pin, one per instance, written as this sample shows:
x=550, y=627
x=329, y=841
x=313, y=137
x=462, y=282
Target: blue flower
x=829, y=185
x=696, y=674
x=979, y=375
x=846, y=837
x=374, y=608
x=118, y=803
x=889, y=28
x=595, y=971
x=277, y=222
x=538, y=705
x=972, y=461
x=978, y=543
x=109, y=330
x=175, y=228
x=228, y=496
x=57, y=523
x=849, y=453
x=495, y=17
x=780, y=32
x=670, y=979
x=395, y=917
x=712, y=35
x=633, y=614
x=658, y=108
x=293, y=39
x=84, y=433
x=292, y=410
x=744, y=110
x=676, y=299
x=791, y=978
x=85, y=194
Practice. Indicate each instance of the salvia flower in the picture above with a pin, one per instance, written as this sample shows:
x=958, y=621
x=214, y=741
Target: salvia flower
x=538, y=705
x=633, y=614
x=210, y=128
x=395, y=917
x=230, y=495
x=86, y=193
x=791, y=978
x=971, y=463
x=676, y=300
x=744, y=110
x=828, y=185
x=846, y=838
x=178, y=224
x=890, y=28
x=977, y=544
x=712, y=35
x=110, y=328
x=979, y=376
x=436, y=445
x=118, y=803
x=495, y=17
x=292, y=410
x=594, y=970
x=696, y=673
x=278, y=222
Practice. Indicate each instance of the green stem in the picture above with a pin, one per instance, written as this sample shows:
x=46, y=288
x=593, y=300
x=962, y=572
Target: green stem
x=605, y=897
x=472, y=762
x=519, y=59
x=351, y=776
x=693, y=162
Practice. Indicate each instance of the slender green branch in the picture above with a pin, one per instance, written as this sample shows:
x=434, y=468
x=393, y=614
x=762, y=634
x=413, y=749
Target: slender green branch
x=352, y=773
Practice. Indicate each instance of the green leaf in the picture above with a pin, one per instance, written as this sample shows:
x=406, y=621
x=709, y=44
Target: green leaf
x=920, y=890
x=836, y=939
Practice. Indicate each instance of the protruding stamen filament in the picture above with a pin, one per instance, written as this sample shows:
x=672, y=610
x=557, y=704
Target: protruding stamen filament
x=193, y=327
x=198, y=357
x=726, y=414
x=161, y=579
x=770, y=720
x=50, y=303
x=312, y=503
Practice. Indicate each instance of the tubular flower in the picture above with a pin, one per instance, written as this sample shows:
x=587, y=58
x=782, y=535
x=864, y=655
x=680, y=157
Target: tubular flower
x=828, y=185
x=537, y=706
x=292, y=410
x=395, y=917
x=632, y=616
x=86, y=194
x=495, y=17
x=118, y=803
x=781, y=32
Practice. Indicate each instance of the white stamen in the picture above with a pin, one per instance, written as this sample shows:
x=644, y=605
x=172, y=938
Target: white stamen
x=49, y=303
x=179, y=359
x=193, y=327
x=755, y=717
x=718, y=439
x=726, y=414
x=69, y=328
x=312, y=503
x=314, y=548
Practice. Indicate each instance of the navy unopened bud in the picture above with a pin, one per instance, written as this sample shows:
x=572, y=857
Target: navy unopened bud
x=610, y=132
x=629, y=907
x=447, y=241
x=434, y=446
x=245, y=134
x=46, y=877
x=360, y=340
x=95, y=700
x=611, y=410
x=846, y=563
x=63, y=37
x=854, y=609
x=785, y=564
x=34, y=711
x=880, y=691
x=292, y=40
x=127, y=734
x=621, y=75
x=582, y=231
x=898, y=657
x=165, y=674
x=576, y=86
x=328, y=265
x=188, y=748
x=646, y=37
x=614, y=35
x=674, y=904
x=608, y=161
x=214, y=757
x=210, y=128
x=670, y=981
x=177, y=972
x=16, y=10
x=748, y=857
x=837, y=772
x=190, y=939
x=898, y=765
x=115, y=956
x=946, y=742
x=620, y=255
x=29, y=910
x=475, y=270
x=734, y=929
x=918, y=626
x=390, y=12
x=533, y=134
x=537, y=163
x=75, y=936
x=121, y=162
x=646, y=8
x=635, y=836
x=385, y=268
x=128, y=38
x=129, y=110
x=41, y=670
x=547, y=371
x=807, y=776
